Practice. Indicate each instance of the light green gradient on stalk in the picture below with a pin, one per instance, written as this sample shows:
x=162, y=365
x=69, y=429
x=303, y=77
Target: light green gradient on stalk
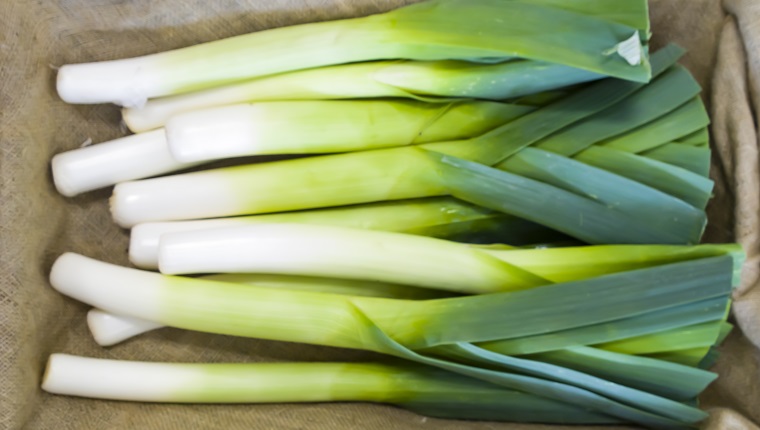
x=335, y=180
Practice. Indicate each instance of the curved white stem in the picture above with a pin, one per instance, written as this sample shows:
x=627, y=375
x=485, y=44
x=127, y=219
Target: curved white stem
x=133, y=292
x=109, y=329
x=104, y=164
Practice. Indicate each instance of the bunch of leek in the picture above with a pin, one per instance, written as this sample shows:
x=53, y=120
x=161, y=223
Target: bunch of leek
x=464, y=335
x=564, y=152
x=595, y=37
x=577, y=135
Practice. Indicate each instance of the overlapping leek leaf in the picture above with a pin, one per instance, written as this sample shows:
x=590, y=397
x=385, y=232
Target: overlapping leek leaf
x=693, y=158
x=692, y=187
x=659, y=210
x=581, y=217
x=666, y=379
x=665, y=93
x=648, y=323
x=472, y=355
x=550, y=389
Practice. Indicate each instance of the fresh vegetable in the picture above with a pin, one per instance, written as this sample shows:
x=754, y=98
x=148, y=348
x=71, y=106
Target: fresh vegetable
x=441, y=217
x=419, y=388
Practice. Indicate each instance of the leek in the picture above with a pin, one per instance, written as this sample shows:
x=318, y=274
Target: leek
x=441, y=217
x=301, y=316
x=553, y=265
x=481, y=30
x=327, y=126
x=418, y=388
x=313, y=250
x=400, y=79
x=109, y=329
x=664, y=94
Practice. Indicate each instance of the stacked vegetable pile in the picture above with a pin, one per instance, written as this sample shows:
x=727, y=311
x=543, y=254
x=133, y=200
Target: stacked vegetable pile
x=511, y=214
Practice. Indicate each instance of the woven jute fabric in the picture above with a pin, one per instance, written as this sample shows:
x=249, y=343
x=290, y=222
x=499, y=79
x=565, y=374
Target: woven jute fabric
x=37, y=225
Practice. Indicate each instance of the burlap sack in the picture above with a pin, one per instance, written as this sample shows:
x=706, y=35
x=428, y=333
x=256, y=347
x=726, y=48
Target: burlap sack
x=36, y=224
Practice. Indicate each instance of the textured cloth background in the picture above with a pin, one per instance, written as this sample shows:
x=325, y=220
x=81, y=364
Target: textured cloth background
x=36, y=224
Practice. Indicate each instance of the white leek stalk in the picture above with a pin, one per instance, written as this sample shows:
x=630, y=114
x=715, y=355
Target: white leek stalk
x=109, y=329
x=423, y=216
x=315, y=250
x=358, y=177
x=419, y=388
x=401, y=327
x=311, y=250
x=104, y=164
x=553, y=264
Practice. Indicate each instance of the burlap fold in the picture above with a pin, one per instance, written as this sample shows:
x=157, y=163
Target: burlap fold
x=36, y=224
